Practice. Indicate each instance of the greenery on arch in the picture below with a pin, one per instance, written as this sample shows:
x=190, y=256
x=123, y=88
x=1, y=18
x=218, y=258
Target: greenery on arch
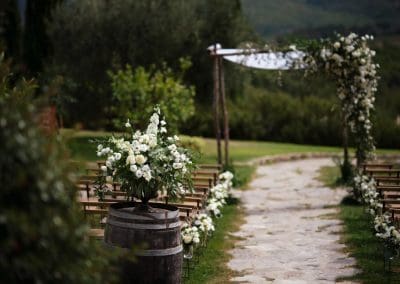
x=350, y=62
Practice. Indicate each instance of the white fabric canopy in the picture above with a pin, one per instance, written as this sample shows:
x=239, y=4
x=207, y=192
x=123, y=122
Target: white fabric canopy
x=258, y=59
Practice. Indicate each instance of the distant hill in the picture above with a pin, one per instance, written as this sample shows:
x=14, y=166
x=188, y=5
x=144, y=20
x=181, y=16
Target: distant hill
x=272, y=18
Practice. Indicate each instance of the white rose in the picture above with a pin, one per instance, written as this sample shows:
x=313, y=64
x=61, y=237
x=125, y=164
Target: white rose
x=127, y=124
x=143, y=148
x=336, y=45
x=103, y=168
x=130, y=160
x=117, y=156
x=139, y=173
x=177, y=165
x=350, y=48
x=172, y=147
x=147, y=175
x=187, y=239
x=146, y=168
x=140, y=159
x=153, y=141
x=133, y=168
x=144, y=138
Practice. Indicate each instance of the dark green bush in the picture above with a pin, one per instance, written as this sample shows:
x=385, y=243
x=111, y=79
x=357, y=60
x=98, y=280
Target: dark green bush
x=265, y=115
x=43, y=238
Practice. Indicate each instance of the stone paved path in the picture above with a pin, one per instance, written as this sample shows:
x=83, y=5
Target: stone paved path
x=291, y=234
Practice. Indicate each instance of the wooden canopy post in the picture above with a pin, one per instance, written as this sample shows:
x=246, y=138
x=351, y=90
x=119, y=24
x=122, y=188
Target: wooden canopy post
x=216, y=93
x=224, y=109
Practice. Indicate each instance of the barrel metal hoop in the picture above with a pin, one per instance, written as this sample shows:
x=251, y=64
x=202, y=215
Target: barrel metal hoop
x=143, y=226
x=153, y=216
x=152, y=252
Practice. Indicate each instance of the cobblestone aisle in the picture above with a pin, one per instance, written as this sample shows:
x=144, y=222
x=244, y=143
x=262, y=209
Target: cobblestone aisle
x=291, y=234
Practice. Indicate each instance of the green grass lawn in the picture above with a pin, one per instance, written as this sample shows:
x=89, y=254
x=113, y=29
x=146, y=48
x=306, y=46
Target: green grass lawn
x=365, y=246
x=359, y=237
x=81, y=149
x=211, y=266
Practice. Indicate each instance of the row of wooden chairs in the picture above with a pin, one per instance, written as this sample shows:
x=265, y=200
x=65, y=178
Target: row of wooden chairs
x=96, y=210
x=387, y=178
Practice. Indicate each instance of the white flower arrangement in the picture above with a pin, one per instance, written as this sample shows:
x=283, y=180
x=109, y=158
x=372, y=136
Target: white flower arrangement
x=204, y=223
x=149, y=162
x=214, y=207
x=385, y=230
x=351, y=62
x=383, y=224
x=219, y=193
x=190, y=234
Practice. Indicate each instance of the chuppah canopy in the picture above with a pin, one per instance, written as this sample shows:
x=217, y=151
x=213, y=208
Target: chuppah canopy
x=260, y=59
x=253, y=58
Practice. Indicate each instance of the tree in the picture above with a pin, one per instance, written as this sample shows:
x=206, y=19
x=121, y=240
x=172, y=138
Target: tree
x=136, y=92
x=36, y=44
x=10, y=28
x=92, y=37
x=107, y=35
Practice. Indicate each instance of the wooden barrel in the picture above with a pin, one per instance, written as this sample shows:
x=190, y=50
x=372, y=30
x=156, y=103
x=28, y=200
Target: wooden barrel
x=159, y=231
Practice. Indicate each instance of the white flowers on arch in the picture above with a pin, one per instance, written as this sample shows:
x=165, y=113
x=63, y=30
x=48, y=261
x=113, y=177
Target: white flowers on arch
x=350, y=61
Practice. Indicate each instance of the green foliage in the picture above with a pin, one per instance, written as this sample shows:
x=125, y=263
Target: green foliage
x=10, y=28
x=91, y=37
x=195, y=144
x=137, y=91
x=43, y=237
x=333, y=176
x=280, y=117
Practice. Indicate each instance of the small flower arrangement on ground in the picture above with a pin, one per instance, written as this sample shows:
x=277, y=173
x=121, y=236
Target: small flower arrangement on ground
x=219, y=193
x=204, y=223
x=383, y=225
x=148, y=163
x=190, y=234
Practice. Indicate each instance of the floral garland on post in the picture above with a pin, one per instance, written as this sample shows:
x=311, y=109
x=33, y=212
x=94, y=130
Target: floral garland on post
x=350, y=61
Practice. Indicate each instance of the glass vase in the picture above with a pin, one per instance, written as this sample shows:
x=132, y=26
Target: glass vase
x=187, y=251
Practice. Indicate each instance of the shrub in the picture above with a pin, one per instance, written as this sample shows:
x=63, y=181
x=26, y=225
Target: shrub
x=136, y=92
x=195, y=144
x=43, y=238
